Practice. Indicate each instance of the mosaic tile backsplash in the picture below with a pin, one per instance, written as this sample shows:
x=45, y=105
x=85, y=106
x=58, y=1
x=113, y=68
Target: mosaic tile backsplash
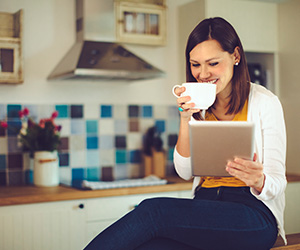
x=98, y=142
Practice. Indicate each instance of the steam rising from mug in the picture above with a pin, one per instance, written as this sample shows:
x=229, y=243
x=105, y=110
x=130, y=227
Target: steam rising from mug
x=202, y=94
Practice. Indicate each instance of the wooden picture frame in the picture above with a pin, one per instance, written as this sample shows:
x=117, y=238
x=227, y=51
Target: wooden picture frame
x=140, y=23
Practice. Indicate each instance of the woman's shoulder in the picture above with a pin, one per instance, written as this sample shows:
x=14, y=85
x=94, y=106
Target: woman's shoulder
x=262, y=99
x=260, y=91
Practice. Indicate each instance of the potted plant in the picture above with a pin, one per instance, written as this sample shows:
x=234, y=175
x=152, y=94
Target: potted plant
x=41, y=140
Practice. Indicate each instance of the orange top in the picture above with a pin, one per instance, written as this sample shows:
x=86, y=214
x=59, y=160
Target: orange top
x=211, y=182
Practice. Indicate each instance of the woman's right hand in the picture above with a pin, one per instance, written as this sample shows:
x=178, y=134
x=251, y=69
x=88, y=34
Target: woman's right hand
x=188, y=109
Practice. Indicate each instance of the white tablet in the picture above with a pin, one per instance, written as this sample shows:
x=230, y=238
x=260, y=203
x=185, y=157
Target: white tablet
x=213, y=143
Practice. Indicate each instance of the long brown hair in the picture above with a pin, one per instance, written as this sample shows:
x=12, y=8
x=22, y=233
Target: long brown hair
x=220, y=30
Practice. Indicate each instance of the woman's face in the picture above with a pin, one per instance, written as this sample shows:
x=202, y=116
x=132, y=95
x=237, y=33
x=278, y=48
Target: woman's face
x=210, y=63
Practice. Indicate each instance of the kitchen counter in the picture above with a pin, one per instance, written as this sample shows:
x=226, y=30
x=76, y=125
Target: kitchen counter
x=31, y=194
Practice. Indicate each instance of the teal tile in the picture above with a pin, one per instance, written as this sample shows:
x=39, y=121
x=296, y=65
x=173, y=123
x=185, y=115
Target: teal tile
x=121, y=156
x=93, y=174
x=13, y=110
x=63, y=111
x=91, y=126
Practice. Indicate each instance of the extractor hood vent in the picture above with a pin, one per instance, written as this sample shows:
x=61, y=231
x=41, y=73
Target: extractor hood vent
x=101, y=60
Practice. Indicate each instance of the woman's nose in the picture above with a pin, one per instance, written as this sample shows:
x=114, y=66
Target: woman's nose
x=204, y=73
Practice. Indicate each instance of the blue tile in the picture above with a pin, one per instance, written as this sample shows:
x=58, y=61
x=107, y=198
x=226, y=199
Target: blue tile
x=135, y=156
x=77, y=127
x=2, y=162
x=106, y=142
x=160, y=126
x=147, y=111
x=13, y=110
x=93, y=174
x=13, y=127
x=91, y=127
x=29, y=177
x=77, y=111
x=170, y=154
x=63, y=111
x=64, y=159
x=92, y=142
x=121, y=156
x=106, y=111
x=78, y=174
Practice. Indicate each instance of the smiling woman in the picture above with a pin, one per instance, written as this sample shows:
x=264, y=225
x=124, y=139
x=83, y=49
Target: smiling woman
x=243, y=211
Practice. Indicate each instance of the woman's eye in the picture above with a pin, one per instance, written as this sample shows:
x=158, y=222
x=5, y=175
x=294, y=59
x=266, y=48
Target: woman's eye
x=214, y=64
x=195, y=64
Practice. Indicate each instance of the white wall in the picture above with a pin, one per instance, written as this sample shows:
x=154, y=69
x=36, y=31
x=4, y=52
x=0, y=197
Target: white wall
x=289, y=54
x=49, y=32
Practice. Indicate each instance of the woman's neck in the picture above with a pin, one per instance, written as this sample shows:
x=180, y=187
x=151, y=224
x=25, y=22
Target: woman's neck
x=220, y=109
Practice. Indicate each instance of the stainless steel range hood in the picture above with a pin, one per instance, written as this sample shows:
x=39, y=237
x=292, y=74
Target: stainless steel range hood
x=100, y=60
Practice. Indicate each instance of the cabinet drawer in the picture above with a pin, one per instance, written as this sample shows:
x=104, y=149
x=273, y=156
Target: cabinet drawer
x=115, y=207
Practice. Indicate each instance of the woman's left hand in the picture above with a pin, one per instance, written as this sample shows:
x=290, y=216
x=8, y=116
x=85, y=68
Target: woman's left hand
x=250, y=172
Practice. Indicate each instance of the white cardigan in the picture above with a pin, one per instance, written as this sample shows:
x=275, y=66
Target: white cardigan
x=265, y=110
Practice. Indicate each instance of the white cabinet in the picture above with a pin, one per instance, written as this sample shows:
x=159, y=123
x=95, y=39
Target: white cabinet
x=104, y=211
x=65, y=225
x=47, y=226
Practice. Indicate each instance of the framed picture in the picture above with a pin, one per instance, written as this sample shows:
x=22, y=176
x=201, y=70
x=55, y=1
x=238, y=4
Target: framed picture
x=140, y=23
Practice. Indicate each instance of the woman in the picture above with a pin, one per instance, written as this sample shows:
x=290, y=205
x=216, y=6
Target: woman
x=244, y=211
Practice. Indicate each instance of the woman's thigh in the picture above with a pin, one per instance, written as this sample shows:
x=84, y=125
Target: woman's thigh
x=209, y=224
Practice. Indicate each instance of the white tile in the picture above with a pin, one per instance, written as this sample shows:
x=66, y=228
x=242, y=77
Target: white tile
x=77, y=142
x=65, y=126
x=134, y=141
x=135, y=170
x=65, y=175
x=3, y=145
x=106, y=127
x=91, y=111
x=160, y=112
x=78, y=158
x=120, y=111
x=107, y=157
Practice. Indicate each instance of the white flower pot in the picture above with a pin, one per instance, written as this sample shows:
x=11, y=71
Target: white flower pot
x=45, y=171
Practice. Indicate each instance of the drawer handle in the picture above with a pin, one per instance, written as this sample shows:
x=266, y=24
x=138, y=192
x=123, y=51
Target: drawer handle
x=81, y=206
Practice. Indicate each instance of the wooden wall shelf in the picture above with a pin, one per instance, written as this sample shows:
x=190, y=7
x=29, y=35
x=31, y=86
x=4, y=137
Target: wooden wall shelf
x=11, y=59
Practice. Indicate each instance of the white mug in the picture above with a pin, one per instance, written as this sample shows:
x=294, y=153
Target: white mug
x=202, y=94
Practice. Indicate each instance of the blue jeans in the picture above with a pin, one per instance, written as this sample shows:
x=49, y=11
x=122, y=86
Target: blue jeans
x=217, y=218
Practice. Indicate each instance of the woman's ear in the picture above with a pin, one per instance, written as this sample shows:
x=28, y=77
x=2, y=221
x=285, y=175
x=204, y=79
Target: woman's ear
x=237, y=55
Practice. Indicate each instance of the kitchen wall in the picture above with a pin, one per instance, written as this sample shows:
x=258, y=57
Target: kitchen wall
x=289, y=54
x=98, y=142
x=49, y=32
